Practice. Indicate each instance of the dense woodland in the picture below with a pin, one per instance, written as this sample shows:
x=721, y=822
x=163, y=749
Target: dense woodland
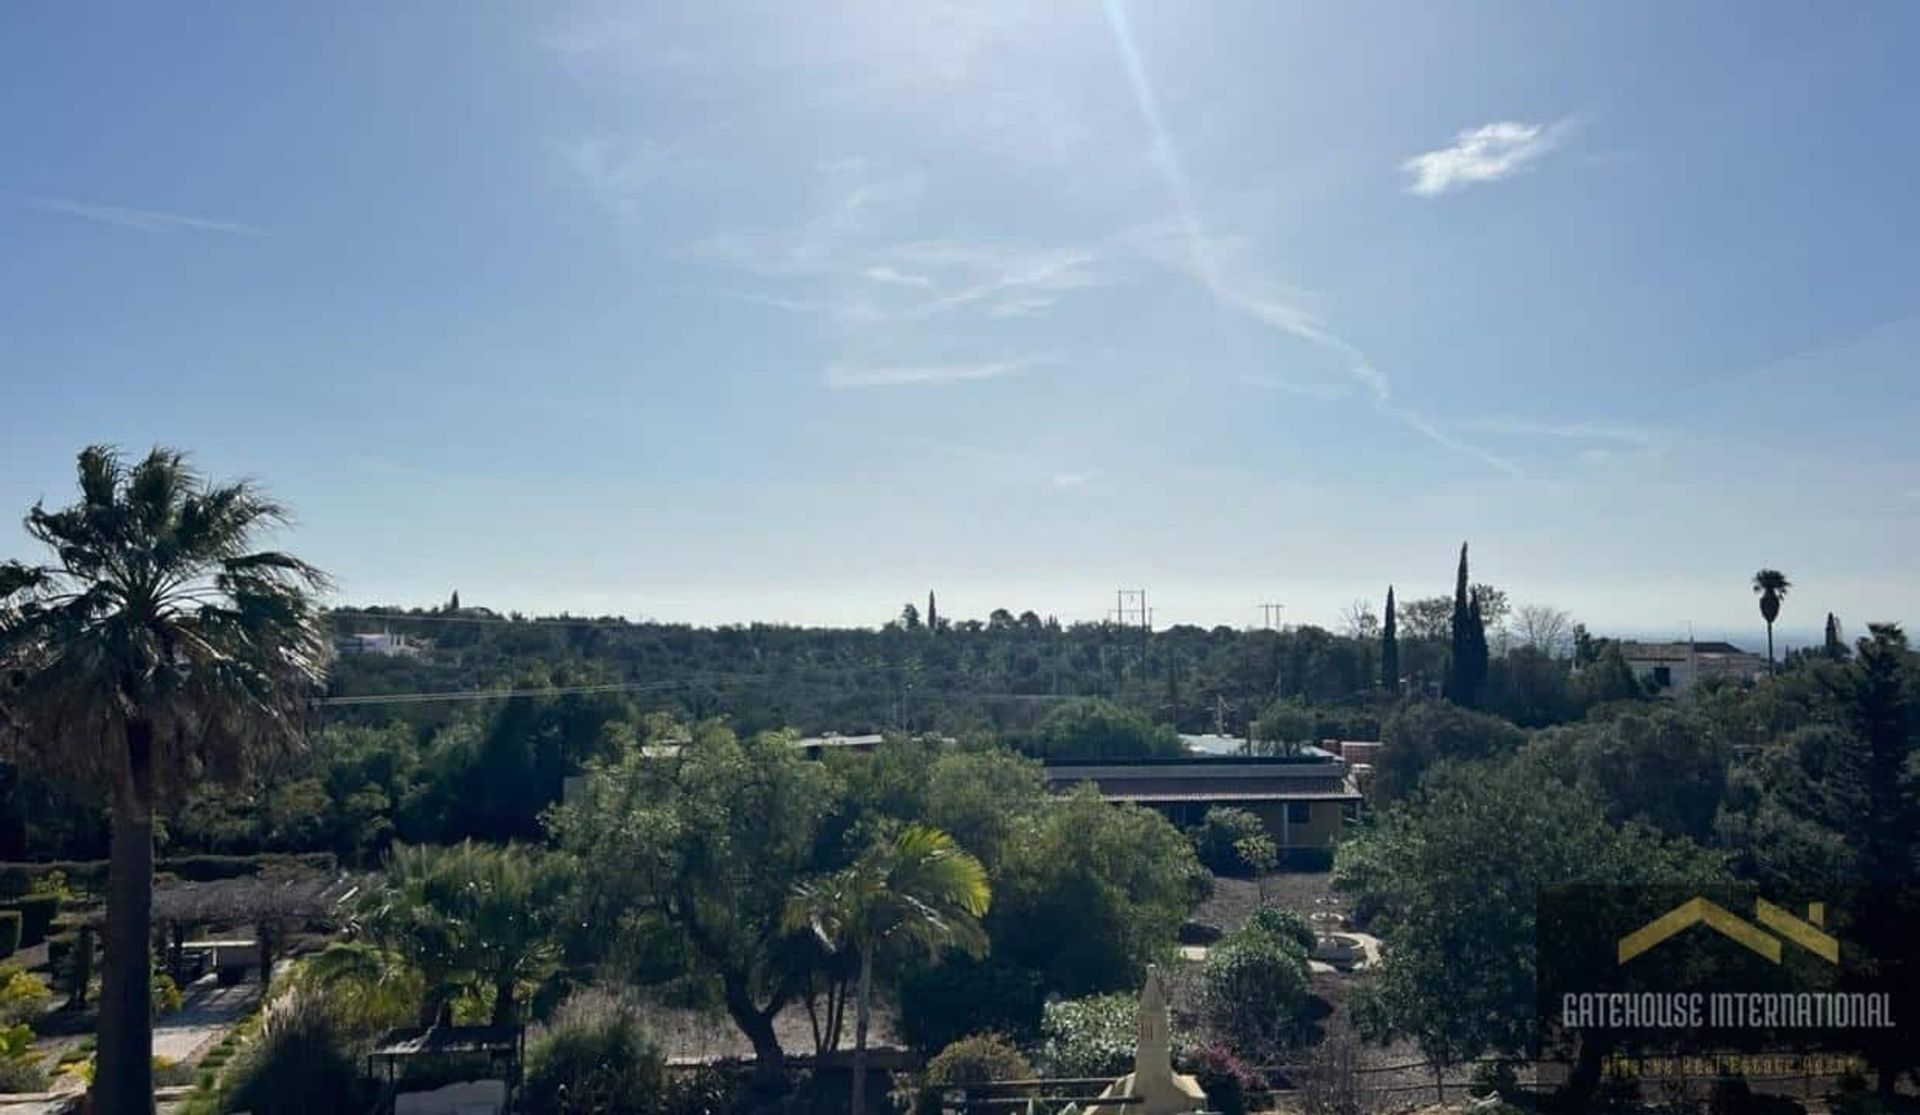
x=391, y=761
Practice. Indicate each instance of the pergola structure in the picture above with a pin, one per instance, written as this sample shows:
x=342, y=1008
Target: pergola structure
x=265, y=901
x=504, y=1048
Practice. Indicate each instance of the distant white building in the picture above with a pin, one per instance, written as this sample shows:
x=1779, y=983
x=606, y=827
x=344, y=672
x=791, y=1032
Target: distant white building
x=385, y=643
x=1671, y=670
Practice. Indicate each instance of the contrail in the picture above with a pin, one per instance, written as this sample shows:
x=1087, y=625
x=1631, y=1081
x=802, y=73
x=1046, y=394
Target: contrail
x=1291, y=320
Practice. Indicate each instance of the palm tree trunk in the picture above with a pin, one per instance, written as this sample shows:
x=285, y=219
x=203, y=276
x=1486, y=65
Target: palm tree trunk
x=1769, y=644
x=862, y=1012
x=123, y=1079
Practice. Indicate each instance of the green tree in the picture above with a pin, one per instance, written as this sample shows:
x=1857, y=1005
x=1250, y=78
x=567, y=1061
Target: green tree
x=1771, y=586
x=1835, y=801
x=1090, y=892
x=471, y=919
x=1835, y=646
x=156, y=647
x=933, y=614
x=1424, y=733
x=918, y=888
x=705, y=845
x=1467, y=667
x=1390, y=648
x=1442, y=888
x=1658, y=765
x=1283, y=729
x=1217, y=839
x=1607, y=678
x=1095, y=728
x=1254, y=987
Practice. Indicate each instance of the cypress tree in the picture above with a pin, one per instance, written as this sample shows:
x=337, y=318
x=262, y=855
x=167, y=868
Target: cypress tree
x=1467, y=669
x=1390, y=649
x=1836, y=647
x=1458, y=646
x=453, y=605
x=933, y=617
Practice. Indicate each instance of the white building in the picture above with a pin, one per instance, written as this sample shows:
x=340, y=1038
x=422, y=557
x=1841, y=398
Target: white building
x=1671, y=670
x=384, y=643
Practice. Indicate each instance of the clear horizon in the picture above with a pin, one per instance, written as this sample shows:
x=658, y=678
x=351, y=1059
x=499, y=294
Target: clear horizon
x=789, y=313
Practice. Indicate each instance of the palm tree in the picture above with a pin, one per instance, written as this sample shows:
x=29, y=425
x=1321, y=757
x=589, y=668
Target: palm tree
x=155, y=647
x=465, y=919
x=1771, y=585
x=919, y=888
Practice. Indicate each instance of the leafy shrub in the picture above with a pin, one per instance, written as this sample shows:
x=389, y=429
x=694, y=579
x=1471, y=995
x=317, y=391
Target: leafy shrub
x=1281, y=924
x=170, y=1074
x=9, y=932
x=1225, y=1078
x=300, y=1063
x=37, y=912
x=1255, y=986
x=166, y=995
x=980, y=1059
x=1494, y=1078
x=707, y=1090
x=943, y=1002
x=590, y=1065
x=23, y=1074
x=1214, y=839
x=22, y=996
x=1089, y=1037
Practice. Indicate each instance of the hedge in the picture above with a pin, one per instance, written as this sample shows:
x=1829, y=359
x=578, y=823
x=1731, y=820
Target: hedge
x=9, y=932
x=91, y=875
x=37, y=912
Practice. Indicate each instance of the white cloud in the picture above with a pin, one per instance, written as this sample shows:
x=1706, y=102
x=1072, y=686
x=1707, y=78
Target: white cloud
x=892, y=277
x=140, y=220
x=1487, y=153
x=1075, y=479
x=845, y=377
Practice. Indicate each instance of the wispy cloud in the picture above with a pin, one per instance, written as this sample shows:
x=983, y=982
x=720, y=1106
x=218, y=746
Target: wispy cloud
x=847, y=377
x=821, y=244
x=1628, y=436
x=140, y=220
x=1324, y=392
x=615, y=172
x=1487, y=153
x=1223, y=267
x=1076, y=479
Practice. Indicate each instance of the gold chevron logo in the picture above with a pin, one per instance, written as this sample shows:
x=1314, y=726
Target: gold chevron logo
x=1698, y=911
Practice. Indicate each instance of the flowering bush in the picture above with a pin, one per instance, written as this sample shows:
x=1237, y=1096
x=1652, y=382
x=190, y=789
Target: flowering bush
x=1089, y=1037
x=1225, y=1078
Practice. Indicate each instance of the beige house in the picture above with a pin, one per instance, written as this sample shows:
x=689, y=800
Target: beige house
x=1671, y=670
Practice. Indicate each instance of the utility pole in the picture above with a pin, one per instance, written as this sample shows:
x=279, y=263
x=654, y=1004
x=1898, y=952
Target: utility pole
x=1270, y=616
x=1130, y=608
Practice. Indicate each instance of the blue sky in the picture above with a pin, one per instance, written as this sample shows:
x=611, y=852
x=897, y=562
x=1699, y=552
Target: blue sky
x=793, y=311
